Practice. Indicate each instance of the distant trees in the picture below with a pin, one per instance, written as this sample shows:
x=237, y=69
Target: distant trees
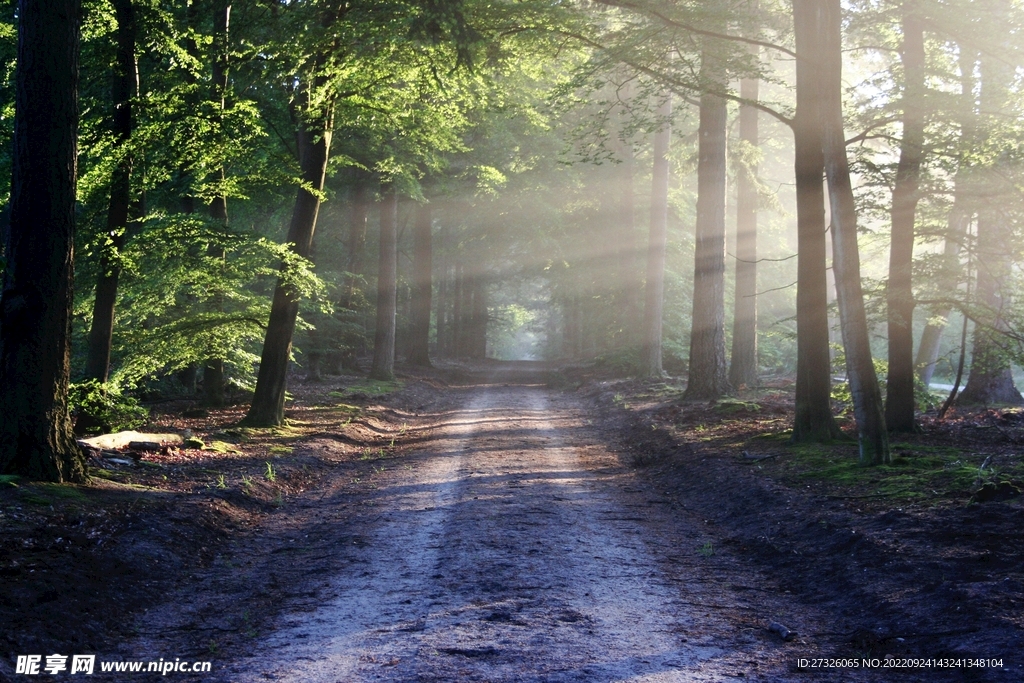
x=654, y=289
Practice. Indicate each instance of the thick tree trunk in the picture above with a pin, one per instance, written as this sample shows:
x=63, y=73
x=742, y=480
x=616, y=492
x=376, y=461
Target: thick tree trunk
x=214, y=378
x=654, y=290
x=383, y=367
x=991, y=381
x=314, y=142
x=867, y=396
x=123, y=88
x=899, y=399
x=423, y=265
x=743, y=365
x=35, y=306
x=813, y=420
x=708, y=376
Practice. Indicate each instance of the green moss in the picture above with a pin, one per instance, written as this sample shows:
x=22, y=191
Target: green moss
x=730, y=406
x=371, y=388
x=915, y=472
x=221, y=447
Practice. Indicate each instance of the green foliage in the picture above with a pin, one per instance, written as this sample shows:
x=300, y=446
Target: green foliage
x=98, y=408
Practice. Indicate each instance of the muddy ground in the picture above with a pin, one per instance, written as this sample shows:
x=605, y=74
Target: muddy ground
x=516, y=522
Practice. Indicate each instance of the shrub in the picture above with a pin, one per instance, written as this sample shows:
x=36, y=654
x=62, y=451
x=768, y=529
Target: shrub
x=98, y=407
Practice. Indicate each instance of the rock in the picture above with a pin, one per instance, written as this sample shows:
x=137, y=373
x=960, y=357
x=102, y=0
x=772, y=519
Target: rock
x=193, y=443
x=123, y=439
x=990, y=492
x=780, y=630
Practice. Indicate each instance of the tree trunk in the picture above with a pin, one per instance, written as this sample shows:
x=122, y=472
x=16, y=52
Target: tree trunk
x=35, y=306
x=123, y=88
x=419, y=334
x=478, y=338
x=314, y=142
x=867, y=396
x=813, y=420
x=654, y=290
x=708, y=376
x=383, y=367
x=214, y=380
x=743, y=365
x=630, y=282
x=458, y=321
x=991, y=381
x=899, y=398
x=441, y=316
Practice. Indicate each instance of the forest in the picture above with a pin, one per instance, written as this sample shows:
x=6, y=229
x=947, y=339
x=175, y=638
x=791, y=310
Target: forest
x=787, y=230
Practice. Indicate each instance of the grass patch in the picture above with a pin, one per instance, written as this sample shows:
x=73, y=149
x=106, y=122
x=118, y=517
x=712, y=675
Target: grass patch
x=916, y=472
x=281, y=450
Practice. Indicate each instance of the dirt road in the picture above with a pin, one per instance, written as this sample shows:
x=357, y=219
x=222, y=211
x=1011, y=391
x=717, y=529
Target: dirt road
x=509, y=544
x=510, y=548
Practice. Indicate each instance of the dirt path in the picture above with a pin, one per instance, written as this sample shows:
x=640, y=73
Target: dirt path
x=511, y=545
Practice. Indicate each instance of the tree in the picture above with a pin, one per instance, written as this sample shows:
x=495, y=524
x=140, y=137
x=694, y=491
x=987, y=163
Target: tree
x=213, y=367
x=383, y=367
x=990, y=380
x=123, y=91
x=654, y=290
x=708, y=378
x=867, y=396
x=813, y=420
x=899, y=398
x=419, y=341
x=314, y=142
x=958, y=221
x=36, y=439
x=743, y=363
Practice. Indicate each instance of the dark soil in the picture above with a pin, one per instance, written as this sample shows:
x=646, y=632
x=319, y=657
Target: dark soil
x=923, y=571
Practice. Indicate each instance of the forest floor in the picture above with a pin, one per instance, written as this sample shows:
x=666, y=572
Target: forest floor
x=517, y=522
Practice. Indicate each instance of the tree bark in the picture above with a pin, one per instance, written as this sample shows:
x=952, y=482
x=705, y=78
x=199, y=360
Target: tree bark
x=867, y=396
x=36, y=439
x=419, y=334
x=743, y=365
x=813, y=420
x=708, y=376
x=123, y=89
x=383, y=367
x=899, y=397
x=314, y=142
x=654, y=290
